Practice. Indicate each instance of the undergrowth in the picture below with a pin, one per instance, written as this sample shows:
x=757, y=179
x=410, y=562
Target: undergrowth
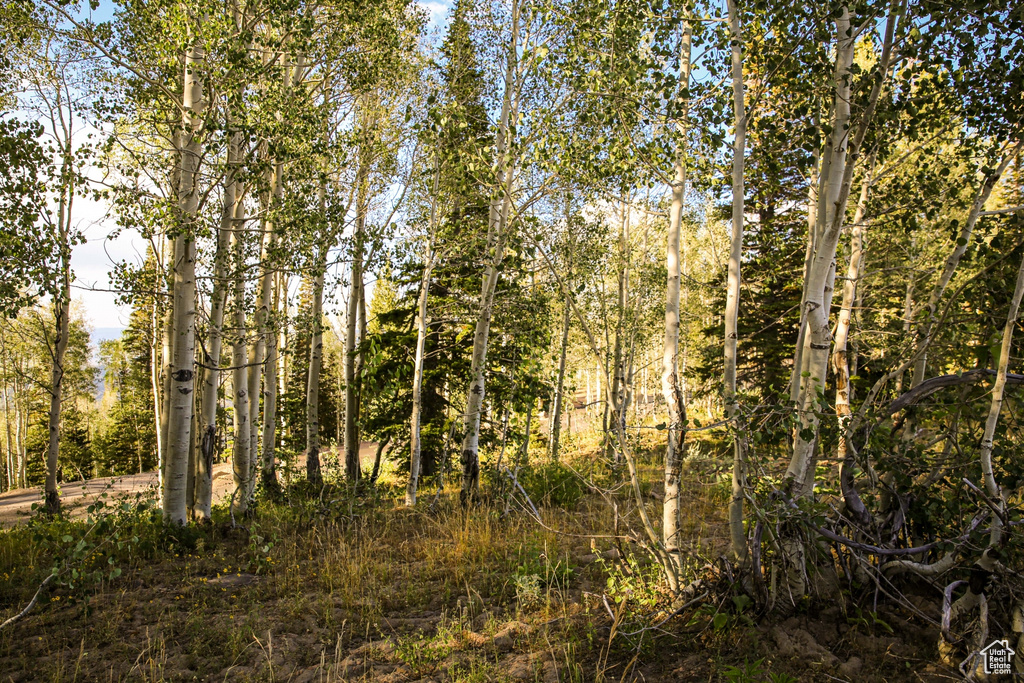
x=327, y=583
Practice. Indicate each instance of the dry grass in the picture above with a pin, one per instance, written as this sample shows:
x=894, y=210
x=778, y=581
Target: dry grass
x=333, y=588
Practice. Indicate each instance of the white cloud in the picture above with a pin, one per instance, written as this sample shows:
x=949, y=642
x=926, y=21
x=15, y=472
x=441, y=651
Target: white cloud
x=436, y=9
x=93, y=261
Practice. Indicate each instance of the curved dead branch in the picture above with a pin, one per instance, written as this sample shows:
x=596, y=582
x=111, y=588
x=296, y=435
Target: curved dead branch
x=930, y=386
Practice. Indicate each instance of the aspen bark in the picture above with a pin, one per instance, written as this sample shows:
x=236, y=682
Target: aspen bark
x=316, y=349
x=995, y=492
x=241, y=456
x=844, y=149
x=845, y=453
x=671, y=388
x=181, y=399
x=62, y=315
x=353, y=470
x=556, y=408
x=822, y=270
x=268, y=457
x=271, y=319
x=737, y=535
x=619, y=354
x=497, y=223
x=203, y=496
x=813, y=206
x=258, y=352
x=850, y=286
x=415, y=445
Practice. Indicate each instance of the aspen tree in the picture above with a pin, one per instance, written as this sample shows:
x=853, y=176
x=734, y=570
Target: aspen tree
x=736, y=534
x=926, y=328
x=316, y=350
x=616, y=404
x=675, y=401
x=840, y=361
x=40, y=216
x=415, y=446
x=181, y=371
x=203, y=498
x=353, y=469
x=497, y=224
x=992, y=487
x=61, y=301
x=842, y=153
x=241, y=456
x=556, y=409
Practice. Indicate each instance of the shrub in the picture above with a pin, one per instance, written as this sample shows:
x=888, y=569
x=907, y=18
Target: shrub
x=552, y=484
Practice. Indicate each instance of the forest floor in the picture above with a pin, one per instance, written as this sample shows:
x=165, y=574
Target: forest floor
x=330, y=587
x=77, y=496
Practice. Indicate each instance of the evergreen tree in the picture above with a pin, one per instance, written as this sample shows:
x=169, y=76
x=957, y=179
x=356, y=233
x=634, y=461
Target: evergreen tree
x=292, y=408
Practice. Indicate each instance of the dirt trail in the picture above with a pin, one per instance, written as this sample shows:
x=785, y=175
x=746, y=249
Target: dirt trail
x=76, y=496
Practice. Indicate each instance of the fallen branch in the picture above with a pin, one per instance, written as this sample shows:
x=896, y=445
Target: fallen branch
x=940, y=566
x=31, y=604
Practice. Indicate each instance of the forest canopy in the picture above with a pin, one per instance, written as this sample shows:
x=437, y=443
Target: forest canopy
x=540, y=251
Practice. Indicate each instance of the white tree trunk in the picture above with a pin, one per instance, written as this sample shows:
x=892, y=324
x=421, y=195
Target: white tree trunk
x=845, y=142
x=316, y=350
x=671, y=387
x=738, y=539
x=241, y=457
x=353, y=469
x=840, y=362
x=415, y=445
x=821, y=274
x=556, y=408
x=497, y=223
x=203, y=498
x=995, y=492
x=813, y=206
x=258, y=355
x=615, y=407
x=181, y=398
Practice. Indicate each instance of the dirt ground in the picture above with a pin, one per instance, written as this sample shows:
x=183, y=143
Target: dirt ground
x=331, y=589
x=76, y=496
